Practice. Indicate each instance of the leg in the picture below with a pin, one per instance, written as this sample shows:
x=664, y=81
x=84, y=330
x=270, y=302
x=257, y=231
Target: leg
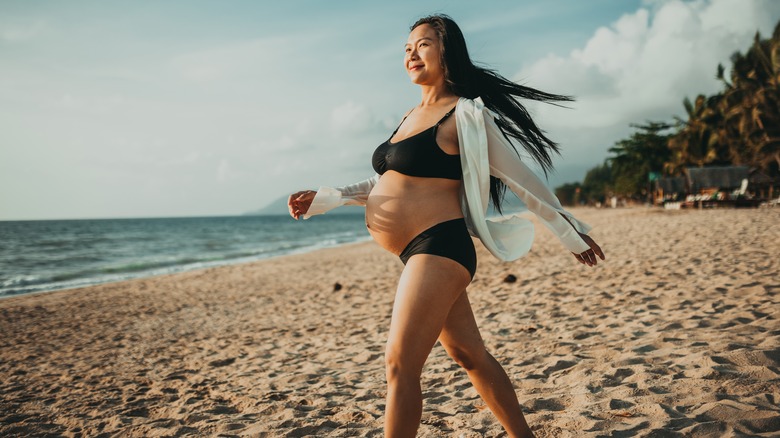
x=460, y=337
x=428, y=287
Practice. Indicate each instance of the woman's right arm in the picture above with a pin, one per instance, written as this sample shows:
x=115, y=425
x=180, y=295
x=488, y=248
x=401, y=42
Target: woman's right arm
x=308, y=203
x=506, y=165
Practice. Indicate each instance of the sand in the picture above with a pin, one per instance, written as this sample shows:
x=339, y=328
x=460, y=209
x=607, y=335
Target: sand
x=676, y=334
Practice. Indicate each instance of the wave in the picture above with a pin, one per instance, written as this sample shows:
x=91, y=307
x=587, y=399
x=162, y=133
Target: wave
x=140, y=268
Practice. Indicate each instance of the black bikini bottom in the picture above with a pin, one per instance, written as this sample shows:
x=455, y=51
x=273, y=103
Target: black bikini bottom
x=449, y=239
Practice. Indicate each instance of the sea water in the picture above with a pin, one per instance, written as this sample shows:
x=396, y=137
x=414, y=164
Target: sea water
x=37, y=256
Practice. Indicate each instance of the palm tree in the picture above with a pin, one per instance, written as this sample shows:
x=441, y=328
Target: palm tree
x=636, y=157
x=698, y=140
x=751, y=104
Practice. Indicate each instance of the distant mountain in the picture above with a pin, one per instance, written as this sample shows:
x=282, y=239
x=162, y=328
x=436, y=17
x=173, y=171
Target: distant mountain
x=279, y=207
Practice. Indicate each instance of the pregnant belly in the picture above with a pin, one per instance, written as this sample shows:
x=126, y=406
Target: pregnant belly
x=400, y=207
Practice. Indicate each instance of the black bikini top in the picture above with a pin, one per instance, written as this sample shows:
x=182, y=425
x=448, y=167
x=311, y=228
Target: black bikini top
x=418, y=155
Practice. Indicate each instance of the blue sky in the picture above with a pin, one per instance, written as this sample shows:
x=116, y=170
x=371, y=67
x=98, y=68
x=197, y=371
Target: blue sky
x=181, y=108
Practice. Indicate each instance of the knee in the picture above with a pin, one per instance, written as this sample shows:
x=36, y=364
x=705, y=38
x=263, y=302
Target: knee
x=468, y=358
x=398, y=366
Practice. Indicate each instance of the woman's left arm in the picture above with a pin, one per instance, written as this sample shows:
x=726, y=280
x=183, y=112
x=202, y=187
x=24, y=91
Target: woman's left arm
x=506, y=165
x=588, y=257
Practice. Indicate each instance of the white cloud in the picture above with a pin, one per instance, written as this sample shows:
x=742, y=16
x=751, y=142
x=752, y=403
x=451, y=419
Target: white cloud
x=641, y=66
x=614, y=50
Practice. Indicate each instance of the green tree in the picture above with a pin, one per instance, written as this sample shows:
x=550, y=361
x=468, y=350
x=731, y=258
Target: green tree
x=701, y=139
x=597, y=184
x=569, y=193
x=740, y=125
x=751, y=104
x=634, y=158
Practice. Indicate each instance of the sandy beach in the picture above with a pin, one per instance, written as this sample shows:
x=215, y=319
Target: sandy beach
x=676, y=334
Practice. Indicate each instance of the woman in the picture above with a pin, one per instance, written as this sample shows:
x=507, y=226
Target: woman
x=429, y=194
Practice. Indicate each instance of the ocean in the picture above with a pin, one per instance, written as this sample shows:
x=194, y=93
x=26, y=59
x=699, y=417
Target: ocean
x=38, y=256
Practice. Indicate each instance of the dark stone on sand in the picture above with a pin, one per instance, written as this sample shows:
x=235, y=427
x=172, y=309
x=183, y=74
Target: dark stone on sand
x=337, y=287
x=510, y=279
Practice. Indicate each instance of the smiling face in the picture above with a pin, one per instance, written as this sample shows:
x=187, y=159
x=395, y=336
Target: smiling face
x=423, y=56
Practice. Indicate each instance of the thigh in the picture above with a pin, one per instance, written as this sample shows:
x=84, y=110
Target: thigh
x=428, y=287
x=460, y=334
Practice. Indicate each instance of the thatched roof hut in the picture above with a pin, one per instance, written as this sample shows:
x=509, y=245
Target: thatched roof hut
x=672, y=184
x=723, y=178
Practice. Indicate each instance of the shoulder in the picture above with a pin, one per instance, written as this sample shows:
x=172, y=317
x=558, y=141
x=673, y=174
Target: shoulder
x=472, y=112
x=472, y=109
x=468, y=103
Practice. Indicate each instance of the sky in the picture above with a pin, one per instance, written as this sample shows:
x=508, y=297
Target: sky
x=207, y=108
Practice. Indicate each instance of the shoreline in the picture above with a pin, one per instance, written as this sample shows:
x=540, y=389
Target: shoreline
x=677, y=333
x=87, y=282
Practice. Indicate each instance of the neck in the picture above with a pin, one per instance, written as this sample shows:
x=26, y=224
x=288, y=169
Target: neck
x=434, y=95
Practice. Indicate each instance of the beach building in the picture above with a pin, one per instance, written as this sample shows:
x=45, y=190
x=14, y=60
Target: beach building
x=715, y=186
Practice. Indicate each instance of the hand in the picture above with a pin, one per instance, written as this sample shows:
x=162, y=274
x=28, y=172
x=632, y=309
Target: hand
x=299, y=202
x=589, y=257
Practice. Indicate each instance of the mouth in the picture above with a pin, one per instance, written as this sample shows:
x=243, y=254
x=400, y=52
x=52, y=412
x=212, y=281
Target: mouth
x=415, y=67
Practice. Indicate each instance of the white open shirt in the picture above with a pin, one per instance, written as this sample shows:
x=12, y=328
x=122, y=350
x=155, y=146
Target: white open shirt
x=484, y=151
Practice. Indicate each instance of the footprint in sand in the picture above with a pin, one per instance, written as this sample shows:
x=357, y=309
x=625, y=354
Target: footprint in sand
x=617, y=378
x=545, y=404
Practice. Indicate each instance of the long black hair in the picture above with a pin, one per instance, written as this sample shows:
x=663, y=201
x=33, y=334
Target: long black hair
x=498, y=94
